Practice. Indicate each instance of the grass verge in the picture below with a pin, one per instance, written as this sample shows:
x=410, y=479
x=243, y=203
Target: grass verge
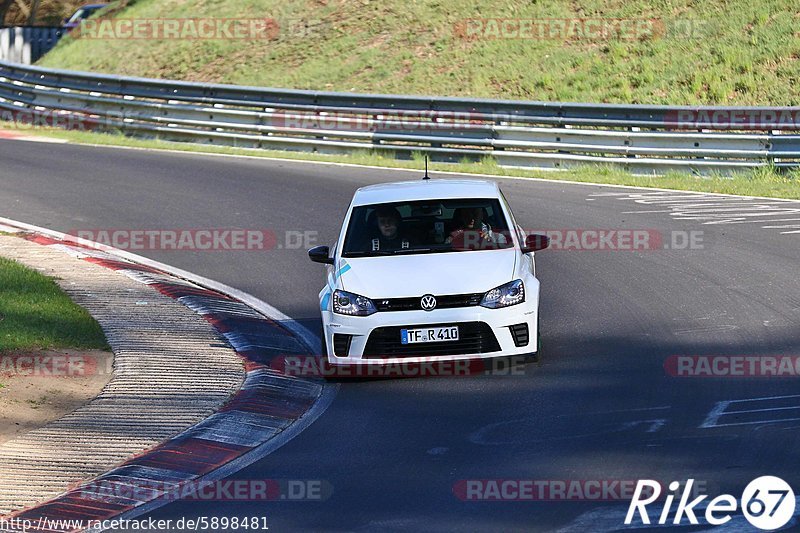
x=35, y=314
x=764, y=182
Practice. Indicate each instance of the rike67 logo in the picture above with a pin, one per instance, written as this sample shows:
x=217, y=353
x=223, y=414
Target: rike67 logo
x=768, y=503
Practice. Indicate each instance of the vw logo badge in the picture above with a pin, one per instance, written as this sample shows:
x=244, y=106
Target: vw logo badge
x=428, y=302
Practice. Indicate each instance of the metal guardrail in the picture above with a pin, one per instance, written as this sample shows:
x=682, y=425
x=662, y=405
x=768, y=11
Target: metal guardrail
x=644, y=139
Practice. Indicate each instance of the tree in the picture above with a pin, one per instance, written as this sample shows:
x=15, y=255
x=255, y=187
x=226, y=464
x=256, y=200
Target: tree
x=5, y=5
x=34, y=10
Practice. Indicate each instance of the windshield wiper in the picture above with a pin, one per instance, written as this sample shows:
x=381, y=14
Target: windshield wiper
x=400, y=251
x=413, y=250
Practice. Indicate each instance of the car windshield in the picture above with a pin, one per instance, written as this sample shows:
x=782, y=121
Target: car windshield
x=84, y=13
x=428, y=226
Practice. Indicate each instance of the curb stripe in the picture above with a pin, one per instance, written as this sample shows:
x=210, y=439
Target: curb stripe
x=267, y=404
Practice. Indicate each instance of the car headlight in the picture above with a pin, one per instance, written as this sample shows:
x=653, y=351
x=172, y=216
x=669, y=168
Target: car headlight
x=347, y=303
x=511, y=293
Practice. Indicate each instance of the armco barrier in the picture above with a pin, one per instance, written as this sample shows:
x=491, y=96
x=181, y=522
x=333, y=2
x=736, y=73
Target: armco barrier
x=644, y=139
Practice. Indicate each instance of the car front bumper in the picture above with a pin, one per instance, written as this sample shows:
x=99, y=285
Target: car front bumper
x=479, y=327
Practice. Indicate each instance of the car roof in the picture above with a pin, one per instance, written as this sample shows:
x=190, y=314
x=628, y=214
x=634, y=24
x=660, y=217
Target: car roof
x=432, y=189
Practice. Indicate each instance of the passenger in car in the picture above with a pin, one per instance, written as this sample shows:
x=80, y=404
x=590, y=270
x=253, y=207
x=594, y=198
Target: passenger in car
x=471, y=232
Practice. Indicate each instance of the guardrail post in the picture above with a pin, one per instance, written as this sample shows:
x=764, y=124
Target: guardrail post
x=5, y=44
x=16, y=53
x=27, y=34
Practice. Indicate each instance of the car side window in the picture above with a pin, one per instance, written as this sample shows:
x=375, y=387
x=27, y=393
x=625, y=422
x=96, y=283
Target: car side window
x=521, y=235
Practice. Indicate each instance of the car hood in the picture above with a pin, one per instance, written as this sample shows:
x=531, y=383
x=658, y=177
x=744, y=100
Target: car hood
x=405, y=276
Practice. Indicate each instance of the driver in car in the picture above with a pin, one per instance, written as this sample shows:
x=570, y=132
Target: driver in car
x=390, y=236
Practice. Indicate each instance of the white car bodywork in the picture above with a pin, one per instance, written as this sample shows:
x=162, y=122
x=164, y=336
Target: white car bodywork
x=384, y=278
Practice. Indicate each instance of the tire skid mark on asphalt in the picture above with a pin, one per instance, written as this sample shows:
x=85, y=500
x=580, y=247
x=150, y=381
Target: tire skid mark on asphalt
x=718, y=328
x=557, y=428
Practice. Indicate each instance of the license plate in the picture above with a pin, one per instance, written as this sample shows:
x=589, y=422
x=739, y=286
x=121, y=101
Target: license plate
x=439, y=334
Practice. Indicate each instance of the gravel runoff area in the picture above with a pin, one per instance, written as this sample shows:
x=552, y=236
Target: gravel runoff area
x=171, y=371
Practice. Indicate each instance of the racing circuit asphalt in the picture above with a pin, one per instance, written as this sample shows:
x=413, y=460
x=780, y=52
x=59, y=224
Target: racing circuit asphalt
x=601, y=405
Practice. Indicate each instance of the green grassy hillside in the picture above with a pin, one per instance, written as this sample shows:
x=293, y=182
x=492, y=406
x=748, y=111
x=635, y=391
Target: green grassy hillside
x=700, y=51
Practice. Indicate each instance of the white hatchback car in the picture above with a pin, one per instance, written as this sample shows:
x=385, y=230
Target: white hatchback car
x=429, y=270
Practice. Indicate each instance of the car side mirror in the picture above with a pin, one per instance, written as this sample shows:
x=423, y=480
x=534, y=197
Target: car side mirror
x=534, y=243
x=321, y=254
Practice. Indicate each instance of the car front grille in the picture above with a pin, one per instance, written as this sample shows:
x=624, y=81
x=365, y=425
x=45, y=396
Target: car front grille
x=474, y=338
x=449, y=301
